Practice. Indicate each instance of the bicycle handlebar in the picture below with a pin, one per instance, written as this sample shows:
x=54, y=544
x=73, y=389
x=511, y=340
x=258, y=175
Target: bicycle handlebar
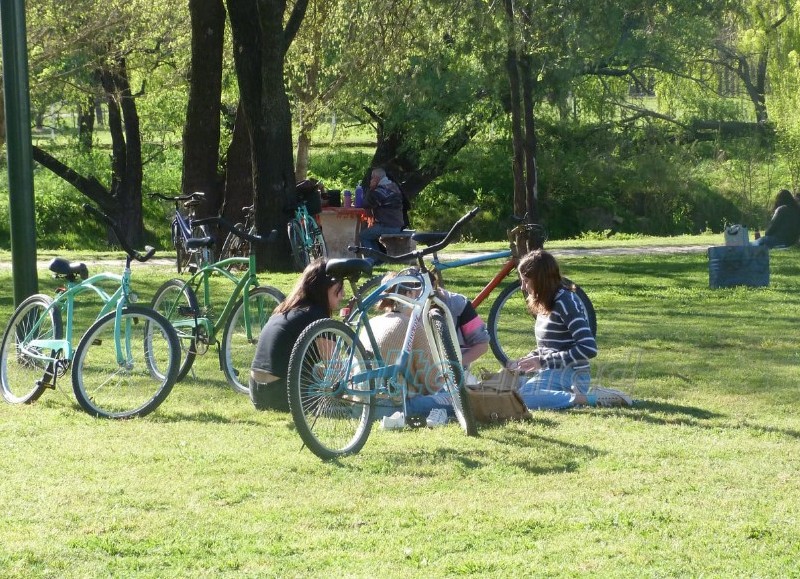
x=188, y=197
x=217, y=220
x=448, y=239
x=149, y=250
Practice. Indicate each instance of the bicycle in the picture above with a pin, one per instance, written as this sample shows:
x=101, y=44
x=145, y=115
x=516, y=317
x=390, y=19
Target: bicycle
x=305, y=237
x=125, y=364
x=235, y=246
x=333, y=381
x=188, y=238
x=241, y=318
x=510, y=325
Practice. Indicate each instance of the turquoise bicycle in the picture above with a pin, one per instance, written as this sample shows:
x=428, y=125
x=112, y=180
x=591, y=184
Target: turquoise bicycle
x=125, y=364
x=333, y=381
x=234, y=329
x=305, y=234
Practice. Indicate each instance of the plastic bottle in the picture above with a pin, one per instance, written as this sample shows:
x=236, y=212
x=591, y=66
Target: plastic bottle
x=348, y=198
x=359, y=196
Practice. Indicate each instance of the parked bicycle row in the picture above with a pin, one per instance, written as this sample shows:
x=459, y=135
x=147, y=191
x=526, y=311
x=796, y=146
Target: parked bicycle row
x=336, y=373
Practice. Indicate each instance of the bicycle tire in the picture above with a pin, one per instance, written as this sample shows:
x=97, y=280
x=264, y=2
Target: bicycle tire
x=318, y=247
x=237, y=348
x=449, y=367
x=299, y=255
x=106, y=388
x=235, y=246
x=23, y=379
x=181, y=258
x=176, y=300
x=331, y=424
x=511, y=325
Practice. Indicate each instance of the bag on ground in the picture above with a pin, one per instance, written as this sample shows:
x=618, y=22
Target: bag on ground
x=495, y=399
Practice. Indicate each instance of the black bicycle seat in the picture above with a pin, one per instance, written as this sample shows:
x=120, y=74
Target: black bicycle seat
x=198, y=242
x=62, y=267
x=344, y=268
x=429, y=238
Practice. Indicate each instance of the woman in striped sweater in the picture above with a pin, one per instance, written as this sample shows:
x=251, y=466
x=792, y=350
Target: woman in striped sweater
x=564, y=341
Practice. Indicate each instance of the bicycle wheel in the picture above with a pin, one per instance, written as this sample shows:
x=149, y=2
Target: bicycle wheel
x=332, y=418
x=176, y=301
x=25, y=371
x=318, y=247
x=296, y=240
x=241, y=333
x=511, y=326
x=109, y=388
x=230, y=245
x=450, y=371
x=182, y=258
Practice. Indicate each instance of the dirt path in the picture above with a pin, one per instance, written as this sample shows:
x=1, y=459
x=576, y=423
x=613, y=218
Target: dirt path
x=115, y=264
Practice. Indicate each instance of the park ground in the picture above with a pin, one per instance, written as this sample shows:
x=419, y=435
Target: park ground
x=697, y=478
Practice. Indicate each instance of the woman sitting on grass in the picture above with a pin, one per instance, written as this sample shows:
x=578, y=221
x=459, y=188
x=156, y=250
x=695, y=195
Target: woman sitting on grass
x=315, y=296
x=425, y=397
x=565, y=342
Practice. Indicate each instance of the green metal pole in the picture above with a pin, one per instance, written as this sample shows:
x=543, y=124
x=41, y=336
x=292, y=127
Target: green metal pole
x=18, y=145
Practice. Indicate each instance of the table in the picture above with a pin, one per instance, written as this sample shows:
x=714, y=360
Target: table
x=340, y=227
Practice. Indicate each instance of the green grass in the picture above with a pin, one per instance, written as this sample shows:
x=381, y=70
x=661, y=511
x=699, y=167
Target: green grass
x=699, y=478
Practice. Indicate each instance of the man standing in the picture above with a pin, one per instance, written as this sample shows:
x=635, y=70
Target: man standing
x=385, y=201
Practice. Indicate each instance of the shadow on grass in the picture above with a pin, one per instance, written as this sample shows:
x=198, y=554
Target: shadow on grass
x=201, y=417
x=690, y=412
x=648, y=410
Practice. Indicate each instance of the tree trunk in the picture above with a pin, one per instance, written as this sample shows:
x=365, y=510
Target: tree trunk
x=86, y=125
x=303, y=147
x=530, y=146
x=404, y=165
x=201, y=133
x=238, y=172
x=260, y=44
x=517, y=138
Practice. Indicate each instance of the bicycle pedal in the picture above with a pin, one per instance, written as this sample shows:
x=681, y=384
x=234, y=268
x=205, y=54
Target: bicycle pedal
x=187, y=311
x=193, y=268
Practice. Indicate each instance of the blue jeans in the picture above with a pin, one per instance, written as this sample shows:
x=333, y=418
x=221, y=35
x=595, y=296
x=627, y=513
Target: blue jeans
x=768, y=240
x=419, y=405
x=369, y=238
x=552, y=389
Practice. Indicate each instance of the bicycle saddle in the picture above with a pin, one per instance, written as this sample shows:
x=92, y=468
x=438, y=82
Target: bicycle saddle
x=429, y=238
x=62, y=267
x=198, y=242
x=344, y=268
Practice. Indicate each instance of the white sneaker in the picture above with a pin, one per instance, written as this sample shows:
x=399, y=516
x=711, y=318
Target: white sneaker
x=437, y=417
x=609, y=397
x=396, y=421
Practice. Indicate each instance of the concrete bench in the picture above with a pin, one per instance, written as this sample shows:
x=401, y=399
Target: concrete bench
x=398, y=243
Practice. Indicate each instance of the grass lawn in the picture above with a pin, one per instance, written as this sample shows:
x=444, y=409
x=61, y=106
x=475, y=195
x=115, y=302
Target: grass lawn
x=698, y=478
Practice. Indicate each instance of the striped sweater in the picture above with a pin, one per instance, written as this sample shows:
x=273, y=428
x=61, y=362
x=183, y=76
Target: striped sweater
x=563, y=338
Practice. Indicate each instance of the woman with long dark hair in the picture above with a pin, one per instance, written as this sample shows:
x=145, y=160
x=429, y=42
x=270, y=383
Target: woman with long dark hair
x=315, y=296
x=565, y=342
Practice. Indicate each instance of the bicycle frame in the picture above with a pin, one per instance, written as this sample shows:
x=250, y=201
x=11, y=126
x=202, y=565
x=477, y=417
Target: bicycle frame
x=302, y=216
x=65, y=301
x=420, y=306
x=202, y=278
x=505, y=270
